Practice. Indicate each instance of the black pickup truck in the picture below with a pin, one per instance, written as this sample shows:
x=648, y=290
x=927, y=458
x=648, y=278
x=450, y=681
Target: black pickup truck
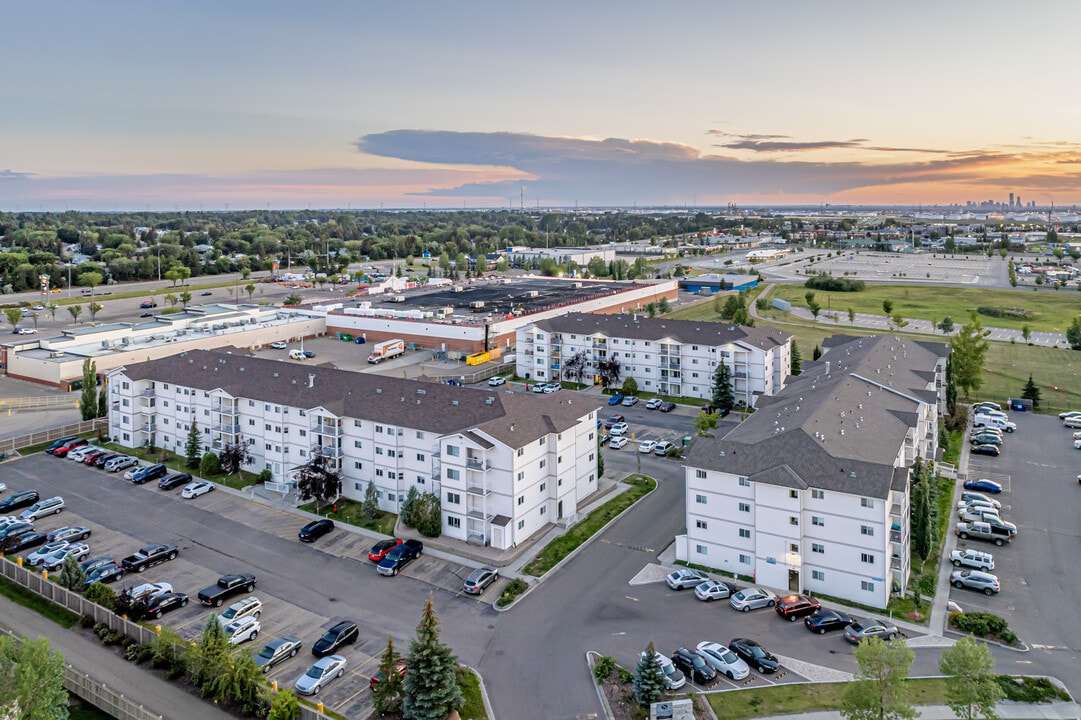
x=227, y=586
x=399, y=557
x=149, y=556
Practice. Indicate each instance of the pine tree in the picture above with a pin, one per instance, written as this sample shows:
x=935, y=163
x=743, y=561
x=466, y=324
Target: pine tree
x=816, y=353
x=387, y=693
x=430, y=690
x=370, y=506
x=1031, y=392
x=723, y=398
x=193, y=450
x=210, y=656
x=649, y=677
x=405, y=512
x=72, y=576
x=797, y=359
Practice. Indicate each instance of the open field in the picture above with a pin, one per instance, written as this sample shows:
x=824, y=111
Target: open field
x=1053, y=309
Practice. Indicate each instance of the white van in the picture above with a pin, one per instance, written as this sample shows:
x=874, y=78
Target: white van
x=296, y=355
x=993, y=421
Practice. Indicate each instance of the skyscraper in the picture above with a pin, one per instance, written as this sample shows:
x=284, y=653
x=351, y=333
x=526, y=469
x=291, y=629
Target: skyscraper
x=1011, y=200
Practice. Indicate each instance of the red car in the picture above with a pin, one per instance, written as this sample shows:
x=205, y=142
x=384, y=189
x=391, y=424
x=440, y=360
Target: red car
x=380, y=676
x=64, y=450
x=91, y=458
x=380, y=550
x=793, y=607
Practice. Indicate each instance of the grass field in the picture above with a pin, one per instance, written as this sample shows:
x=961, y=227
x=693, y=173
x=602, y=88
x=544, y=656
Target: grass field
x=352, y=513
x=1054, y=309
x=803, y=698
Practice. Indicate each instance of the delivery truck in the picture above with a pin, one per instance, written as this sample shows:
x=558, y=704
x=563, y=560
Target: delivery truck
x=386, y=350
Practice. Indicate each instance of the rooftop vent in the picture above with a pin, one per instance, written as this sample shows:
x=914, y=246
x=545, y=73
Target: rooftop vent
x=379, y=391
x=453, y=402
x=421, y=391
x=275, y=374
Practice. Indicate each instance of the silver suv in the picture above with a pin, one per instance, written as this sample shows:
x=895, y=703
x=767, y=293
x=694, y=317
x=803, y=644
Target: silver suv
x=973, y=559
x=248, y=607
x=975, y=580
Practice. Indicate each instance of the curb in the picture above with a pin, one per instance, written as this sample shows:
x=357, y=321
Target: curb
x=607, y=709
x=957, y=633
x=483, y=691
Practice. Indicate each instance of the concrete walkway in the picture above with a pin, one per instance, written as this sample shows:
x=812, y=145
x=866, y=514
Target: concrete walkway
x=104, y=665
x=1006, y=711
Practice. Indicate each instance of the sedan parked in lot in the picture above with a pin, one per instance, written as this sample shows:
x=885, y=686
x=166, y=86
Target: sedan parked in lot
x=673, y=676
x=723, y=660
x=754, y=655
x=38, y=556
x=79, y=551
x=985, y=439
x=685, y=578
x=344, y=633
x=975, y=580
x=861, y=629
x=752, y=599
x=26, y=540
x=195, y=489
x=278, y=345
x=149, y=591
x=970, y=495
x=824, y=621
x=694, y=665
x=711, y=590
x=26, y=498
x=667, y=406
x=92, y=564
x=105, y=574
x=315, y=530
x=381, y=548
x=277, y=651
x=982, y=485
x=164, y=602
x=629, y=401
x=479, y=579
x=171, y=482
x=70, y=532
x=615, y=399
x=986, y=449
x=320, y=674
x=647, y=446
x=134, y=468
x=57, y=444
x=618, y=441
x=793, y=607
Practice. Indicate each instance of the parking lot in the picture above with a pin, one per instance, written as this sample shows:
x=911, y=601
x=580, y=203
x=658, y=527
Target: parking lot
x=1038, y=469
x=304, y=588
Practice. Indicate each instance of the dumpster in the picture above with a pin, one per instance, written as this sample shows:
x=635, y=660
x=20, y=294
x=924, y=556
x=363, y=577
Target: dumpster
x=345, y=337
x=359, y=341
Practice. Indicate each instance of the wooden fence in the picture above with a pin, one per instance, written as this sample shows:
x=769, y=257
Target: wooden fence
x=12, y=444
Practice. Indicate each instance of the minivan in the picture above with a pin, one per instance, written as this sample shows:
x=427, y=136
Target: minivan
x=150, y=472
x=49, y=506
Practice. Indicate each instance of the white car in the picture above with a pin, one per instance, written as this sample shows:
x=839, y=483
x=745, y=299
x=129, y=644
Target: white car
x=1074, y=421
x=647, y=446
x=134, y=469
x=248, y=607
x=279, y=345
x=752, y=598
x=539, y=387
x=497, y=381
x=79, y=454
x=653, y=403
x=551, y=388
x=723, y=660
x=617, y=442
x=28, y=331
x=38, y=556
x=195, y=489
x=1077, y=444
x=3, y=487
x=1077, y=435
x=80, y=551
x=673, y=676
x=620, y=428
x=243, y=630
x=1069, y=413
x=119, y=463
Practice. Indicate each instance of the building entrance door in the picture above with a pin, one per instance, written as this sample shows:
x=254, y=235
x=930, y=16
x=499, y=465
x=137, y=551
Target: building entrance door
x=793, y=580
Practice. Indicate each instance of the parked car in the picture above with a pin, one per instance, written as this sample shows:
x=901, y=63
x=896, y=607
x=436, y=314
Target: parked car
x=1000, y=525
x=662, y=447
x=120, y=463
x=723, y=660
x=612, y=421
x=685, y=578
x=43, y=508
x=653, y=403
x=81, y=452
x=551, y=388
x=79, y=551
x=320, y=674
x=277, y=651
x=986, y=449
x=983, y=531
x=250, y=606
x=38, y=556
x=343, y=633
x=755, y=655
x=92, y=457
x=400, y=556
x=243, y=630
x=315, y=530
x=1062, y=415
x=206, y=293
x=861, y=629
x=824, y=621
x=647, y=446
x=147, y=304
x=621, y=428
x=91, y=564
x=57, y=444
x=69, y=533
x=479, y=579
x=711, y=590
x=539, y=387
x=104, y=574
x=615, y=399
x=26, y=540
x=985, y=438
x=150, y=472
x=752, y=598
x=1073, y=421
x=618, y=441
x=146, y=314
x=132, y=470
x=793, y=607
x=982, y=485
x=381, y=548
x=21, y=499
x=63, y=450
x=146, y=592
x=195, y=489
x=673, y=676
x=171, y=482
x=278, y=345
x=164, y=602
x=226, y=587
x=975, y=580
x=969, y=495
x=971, y=514
x=695, y=666
x=629, y=401
x=380, y=676
x=666, y=406
x=496, y=381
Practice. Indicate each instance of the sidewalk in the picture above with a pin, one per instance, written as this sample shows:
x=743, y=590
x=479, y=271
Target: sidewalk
x=106, y=666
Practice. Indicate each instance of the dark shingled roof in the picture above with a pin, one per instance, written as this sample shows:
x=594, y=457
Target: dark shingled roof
x=645, y=328
x=511, y=417
x=839, y=426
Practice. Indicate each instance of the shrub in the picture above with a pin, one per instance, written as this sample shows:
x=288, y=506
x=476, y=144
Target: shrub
x=101, y=630
x=86, y=622
x=1014, y=313
x=981, y=624
x=1030, y=689
x=209, y=465
x=101, y=594
x=824, y=282
x=514, y=588
x=603, y=667
x=625, y=676
x=265, y=475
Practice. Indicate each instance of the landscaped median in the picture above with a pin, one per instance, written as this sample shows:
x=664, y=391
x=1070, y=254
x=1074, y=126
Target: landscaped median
x=576, y=535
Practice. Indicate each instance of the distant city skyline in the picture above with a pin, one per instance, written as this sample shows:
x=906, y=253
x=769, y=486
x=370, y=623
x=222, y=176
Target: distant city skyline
x=125, y=105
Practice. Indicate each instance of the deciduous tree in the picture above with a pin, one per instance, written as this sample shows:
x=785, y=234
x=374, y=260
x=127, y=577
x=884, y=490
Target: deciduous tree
x=879, y=692
x=284, y=706
x=318, y=480
x=969, y=350
x=971, y=690
x=31, y=680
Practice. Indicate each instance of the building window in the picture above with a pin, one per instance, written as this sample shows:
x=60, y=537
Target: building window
x=867, y=530
x=701, y=524
x=453, y=474
x=521, y=500
x=521, y=475
x=700, y=499
x=868, y=586
x=794, y=494
x=378, y=450
x=816, y=520
x=356, y=486
x=701, y=474
x=818, y=548
x=420, y=480
x=390, y=497
x=817, y=494
x=744, y=507
x=358, y=465
x=542, y=463
x=379, y=429
x=521, y=524
x=543, y=486
x=454, y=498
x=745, y=482
x=543, y=508
x=454, y=522
x=379, y=472
x=453, y=450
x=744, y=533
x=867, y=502
x=521, y=452
x=420, y=435
x=420, y=457
x=793, y=548
x=358, y=444
x=701, y=549
x=818, y=575
x=867, y=558
x=744, y=559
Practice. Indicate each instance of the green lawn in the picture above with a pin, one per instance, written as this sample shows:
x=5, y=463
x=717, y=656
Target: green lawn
x=178, y=463
x=1054, y=309
x=350, y=512
x=42, y=606
x=473, y=708
x=797, y=699
x=563, y=545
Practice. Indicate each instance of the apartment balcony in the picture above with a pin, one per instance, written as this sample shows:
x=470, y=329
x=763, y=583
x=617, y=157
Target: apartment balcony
x=226, y=428
x=224, y=408
x=896, y=563
x=477, y=464
x=670, y=363
x=327, y=450
x=554, y=366
x=554, y=353
x=327, y=429
x=895, y=510
x=895, y=536
x=479, y=515
x=740, y=374
x=478, y=490
x=149, y=392
x=148, y=427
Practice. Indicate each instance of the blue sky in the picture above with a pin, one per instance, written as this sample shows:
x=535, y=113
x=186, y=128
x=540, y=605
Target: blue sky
x=126, y=105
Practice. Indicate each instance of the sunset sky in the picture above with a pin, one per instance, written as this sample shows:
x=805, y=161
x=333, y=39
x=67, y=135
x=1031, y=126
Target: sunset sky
x=198, y=104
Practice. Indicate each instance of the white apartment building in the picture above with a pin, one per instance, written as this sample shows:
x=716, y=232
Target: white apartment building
x=811, y=492
x=668, y=357
x=504, y=464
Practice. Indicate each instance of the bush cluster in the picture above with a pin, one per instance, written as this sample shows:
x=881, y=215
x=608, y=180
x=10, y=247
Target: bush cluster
x=603, y=667
x=1014, y=313
x=514, y=588
x=842, y=284
x=981, y=624
x=1030, y=689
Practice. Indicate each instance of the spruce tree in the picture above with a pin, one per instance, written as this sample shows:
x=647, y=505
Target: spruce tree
x=723, y=399
x=648, y=677
x=405, y=512
x=430, y=690
x=816, y=353
x=193, y=453
x=1031, y=392
x=370, y=507
x=797, y=359
x=387, y=693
